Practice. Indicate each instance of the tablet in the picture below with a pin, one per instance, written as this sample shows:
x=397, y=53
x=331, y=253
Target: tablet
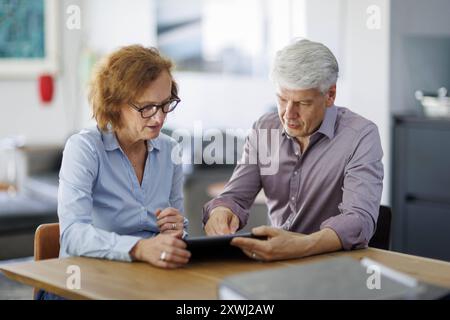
x=214, y=247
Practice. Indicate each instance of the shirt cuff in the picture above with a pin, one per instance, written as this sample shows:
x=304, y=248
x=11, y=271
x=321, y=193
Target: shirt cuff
x=349, y=230
x=123, y=246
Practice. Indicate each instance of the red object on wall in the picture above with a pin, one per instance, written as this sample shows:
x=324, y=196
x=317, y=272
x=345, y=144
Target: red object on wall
x=46, y=88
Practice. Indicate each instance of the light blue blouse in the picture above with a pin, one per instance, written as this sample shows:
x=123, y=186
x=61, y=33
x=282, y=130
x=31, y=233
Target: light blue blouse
x=103, y=210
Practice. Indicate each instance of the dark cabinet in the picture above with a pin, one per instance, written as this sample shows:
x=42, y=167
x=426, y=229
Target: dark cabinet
x=427, y=229
x=421, y=186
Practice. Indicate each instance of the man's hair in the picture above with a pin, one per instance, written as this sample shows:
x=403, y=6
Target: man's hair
x=305, y=64
x=121, y=78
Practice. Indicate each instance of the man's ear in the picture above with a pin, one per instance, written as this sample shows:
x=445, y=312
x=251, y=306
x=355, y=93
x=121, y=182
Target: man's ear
x=331, y=96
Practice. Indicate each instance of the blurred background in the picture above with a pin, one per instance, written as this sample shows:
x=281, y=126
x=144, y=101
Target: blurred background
x=394, y=56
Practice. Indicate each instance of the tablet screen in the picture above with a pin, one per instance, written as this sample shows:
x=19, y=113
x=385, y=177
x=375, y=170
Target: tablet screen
x=209, y=247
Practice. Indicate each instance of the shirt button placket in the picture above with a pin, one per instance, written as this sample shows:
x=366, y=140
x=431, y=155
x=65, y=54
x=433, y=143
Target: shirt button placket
x=295, y=189
x=143, y=216
x=292, y=194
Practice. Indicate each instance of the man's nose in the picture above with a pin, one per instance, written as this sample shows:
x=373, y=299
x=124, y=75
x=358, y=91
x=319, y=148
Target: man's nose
x=291, y=110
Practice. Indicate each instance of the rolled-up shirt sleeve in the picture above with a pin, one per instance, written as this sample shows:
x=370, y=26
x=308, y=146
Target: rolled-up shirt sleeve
x=78, y=236
x=362, y=189
x=243, y=187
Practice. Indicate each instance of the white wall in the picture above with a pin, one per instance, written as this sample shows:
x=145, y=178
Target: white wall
x=235, y=102
x=221, y=101
x=363, y=56
x=20, y=109
x=367, y=73
x=105, y=25
x=110, y=24
x=412, y=18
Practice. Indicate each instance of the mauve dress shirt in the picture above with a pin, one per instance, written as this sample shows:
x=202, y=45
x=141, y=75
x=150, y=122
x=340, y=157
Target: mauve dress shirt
x=335, y=183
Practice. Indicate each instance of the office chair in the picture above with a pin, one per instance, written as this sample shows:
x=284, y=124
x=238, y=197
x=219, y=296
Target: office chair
x=46, y=243
x=381, y=238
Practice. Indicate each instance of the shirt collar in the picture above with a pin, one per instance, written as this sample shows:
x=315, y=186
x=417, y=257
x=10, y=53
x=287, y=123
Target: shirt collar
x=327, y=126
x=111, y=143
x=329, y=122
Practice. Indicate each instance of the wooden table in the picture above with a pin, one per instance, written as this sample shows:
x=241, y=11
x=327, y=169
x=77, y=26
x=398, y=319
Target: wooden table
x=102, y=279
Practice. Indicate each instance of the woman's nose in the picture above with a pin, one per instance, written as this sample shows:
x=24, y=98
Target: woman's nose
x=159, y=116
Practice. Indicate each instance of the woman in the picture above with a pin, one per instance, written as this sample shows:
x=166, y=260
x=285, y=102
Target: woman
x=120, y=195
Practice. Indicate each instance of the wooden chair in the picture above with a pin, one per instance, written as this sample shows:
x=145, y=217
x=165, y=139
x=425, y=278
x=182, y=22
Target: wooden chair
x=381, y=238
x=46, y=243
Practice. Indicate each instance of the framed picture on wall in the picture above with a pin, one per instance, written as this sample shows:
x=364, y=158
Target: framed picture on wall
x=28, y=38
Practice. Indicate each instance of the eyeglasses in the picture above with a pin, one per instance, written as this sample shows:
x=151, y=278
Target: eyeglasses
x=150, y=110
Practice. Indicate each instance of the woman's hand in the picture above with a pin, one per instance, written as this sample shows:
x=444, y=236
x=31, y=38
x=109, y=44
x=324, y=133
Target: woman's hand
x=164, y=251
x=170, y=221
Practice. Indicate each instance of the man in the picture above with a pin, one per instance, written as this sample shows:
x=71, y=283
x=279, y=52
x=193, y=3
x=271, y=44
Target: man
x=326, y=193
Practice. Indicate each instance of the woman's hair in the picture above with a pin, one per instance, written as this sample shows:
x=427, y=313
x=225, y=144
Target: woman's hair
x=305, y=64
x=121, y=78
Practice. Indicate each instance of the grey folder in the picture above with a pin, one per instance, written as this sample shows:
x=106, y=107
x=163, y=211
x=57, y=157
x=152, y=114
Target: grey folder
x=334, y=278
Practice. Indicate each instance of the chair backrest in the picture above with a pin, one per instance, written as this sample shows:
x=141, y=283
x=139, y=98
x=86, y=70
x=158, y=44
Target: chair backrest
x=381, y=238
x=46, y=244
x=46, y=241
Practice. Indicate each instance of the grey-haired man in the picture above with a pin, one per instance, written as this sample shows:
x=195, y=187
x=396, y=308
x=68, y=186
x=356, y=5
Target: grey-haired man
x=326, y=193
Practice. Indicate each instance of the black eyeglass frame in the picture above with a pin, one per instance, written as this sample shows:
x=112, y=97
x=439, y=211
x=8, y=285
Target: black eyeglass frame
x=161, y=106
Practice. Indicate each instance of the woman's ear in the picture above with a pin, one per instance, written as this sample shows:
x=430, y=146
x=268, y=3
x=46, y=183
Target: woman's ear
x=331, y=96
x=174, y=90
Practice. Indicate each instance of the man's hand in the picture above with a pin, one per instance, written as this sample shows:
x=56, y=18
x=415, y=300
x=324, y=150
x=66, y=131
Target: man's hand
x=281, y=244
x=221, y=221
